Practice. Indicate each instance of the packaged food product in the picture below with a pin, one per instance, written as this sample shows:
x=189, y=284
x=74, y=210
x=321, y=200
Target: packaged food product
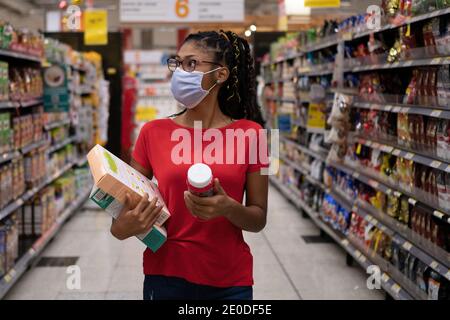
x=431, y=134
x=404, y=211
x=421, y=275
x=412, y=89
x=442, y=190
x=200, y=180
x=393, y=206
x=443, y=139
x=438, y=287
x=113, y=179
x=403, y=128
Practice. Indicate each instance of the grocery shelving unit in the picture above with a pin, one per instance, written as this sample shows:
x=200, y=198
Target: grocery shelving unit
x=30, y=256
x=395, y=283
x=7, y=282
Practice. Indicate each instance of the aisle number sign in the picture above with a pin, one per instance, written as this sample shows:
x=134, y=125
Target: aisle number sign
x=181, y=11
x=95, y=27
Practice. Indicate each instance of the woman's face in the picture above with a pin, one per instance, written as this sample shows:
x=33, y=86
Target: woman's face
x=196, y=58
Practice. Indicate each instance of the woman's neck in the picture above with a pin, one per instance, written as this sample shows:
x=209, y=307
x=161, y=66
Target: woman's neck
x=208, y=112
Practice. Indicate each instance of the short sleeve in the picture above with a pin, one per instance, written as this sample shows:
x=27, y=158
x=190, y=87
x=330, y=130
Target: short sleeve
x=141, y=152
x=261, y=160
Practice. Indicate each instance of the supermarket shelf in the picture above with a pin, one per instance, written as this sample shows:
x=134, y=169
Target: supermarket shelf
x=81, y=162
x=305, y=149
x=410, y=287
x=400, y=282
x=303, y=171
x=34, y=146
x=18, y=55
x=56, y=124
x=279, y=99
x=30, y=193
x=387, y=283
x=435, y=112
x=418, y=18
x=9, y=104
x=386, y=187
x=61, y=144
x=404, y=232
x=31, y=102
x=18, y=104
x=322, y=44
x=317, y=70
x=402, y=152
x=8, y=281
x=8, y=156
x=435, y=257
x=401, y=64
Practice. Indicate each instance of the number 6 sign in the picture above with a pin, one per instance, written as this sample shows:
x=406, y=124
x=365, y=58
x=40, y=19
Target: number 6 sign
x=182, y=8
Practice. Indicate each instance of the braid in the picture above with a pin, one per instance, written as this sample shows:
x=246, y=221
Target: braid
x=237, y=96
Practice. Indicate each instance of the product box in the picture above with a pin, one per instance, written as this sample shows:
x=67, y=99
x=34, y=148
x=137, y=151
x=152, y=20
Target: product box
x=153, y=239
x=113, y=178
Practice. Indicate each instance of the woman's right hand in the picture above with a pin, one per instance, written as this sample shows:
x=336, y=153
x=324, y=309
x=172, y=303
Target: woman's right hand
x=138, y=220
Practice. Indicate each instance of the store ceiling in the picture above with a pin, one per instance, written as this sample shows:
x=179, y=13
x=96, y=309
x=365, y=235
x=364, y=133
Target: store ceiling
x=263, y=13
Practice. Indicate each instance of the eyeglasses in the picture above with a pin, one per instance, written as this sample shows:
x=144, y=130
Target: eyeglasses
x=188, y=65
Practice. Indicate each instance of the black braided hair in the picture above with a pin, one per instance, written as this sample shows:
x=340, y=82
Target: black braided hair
x=237, y=96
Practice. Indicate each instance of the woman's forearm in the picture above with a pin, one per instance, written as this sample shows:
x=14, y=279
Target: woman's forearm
x=248, y=218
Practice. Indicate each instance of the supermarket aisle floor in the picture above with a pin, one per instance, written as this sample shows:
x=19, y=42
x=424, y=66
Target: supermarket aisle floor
x=285, y=266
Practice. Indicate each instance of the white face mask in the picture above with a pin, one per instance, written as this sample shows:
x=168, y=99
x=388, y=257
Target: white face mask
x=187, y=88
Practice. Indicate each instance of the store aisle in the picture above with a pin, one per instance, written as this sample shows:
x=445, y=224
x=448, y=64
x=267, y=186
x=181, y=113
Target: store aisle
x=285, y=265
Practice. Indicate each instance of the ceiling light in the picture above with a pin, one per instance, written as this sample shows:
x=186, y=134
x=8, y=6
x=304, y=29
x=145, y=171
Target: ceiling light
x=253, y=28
x=248, y=33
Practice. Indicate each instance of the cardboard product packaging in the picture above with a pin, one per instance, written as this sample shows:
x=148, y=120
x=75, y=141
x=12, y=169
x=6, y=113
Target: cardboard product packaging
x=113, y=178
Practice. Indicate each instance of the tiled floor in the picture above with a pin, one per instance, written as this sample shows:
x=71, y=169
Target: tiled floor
x=285, y=267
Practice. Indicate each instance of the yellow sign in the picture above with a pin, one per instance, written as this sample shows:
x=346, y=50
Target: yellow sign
x=95, y=27
x=322, y=3
x=316, y=116
x=146, y=113
x=282, y=17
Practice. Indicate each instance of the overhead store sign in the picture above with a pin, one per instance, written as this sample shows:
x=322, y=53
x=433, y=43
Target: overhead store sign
x=95, y=27
x=181, y=11
x=322, y=3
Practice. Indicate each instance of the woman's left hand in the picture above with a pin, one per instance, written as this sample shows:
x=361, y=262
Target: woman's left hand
x=208, y=208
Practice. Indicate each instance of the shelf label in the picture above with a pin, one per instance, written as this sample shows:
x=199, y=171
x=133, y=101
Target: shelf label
x=408, y=63
x=387, y=149
x=412, y=201
x=407, y=245
x=388, y=191
x=447, y=169
x=356, y=175
x=435, y=164
x=374, y=184
x=436, y=61
x=345, y=242
x=396, y=288
x=398, y=194
x=438, y=214
x=385, y=277
x=434, y=264
x=405, y=110
x=376, y=145
x=362, y=259
x=396, y=152
x=447, y=275
x=358, y=253
x=388, y=108
x=7, y=278
x=396, y=109
x=383, y=228
x=436, y=113
x=409, y=155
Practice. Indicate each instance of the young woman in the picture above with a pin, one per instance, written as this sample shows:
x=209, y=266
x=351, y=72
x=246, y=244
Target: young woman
x=205, y=256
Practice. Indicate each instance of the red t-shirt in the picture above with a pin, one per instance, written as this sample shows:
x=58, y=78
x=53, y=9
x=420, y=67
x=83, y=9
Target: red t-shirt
x=210, y=252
